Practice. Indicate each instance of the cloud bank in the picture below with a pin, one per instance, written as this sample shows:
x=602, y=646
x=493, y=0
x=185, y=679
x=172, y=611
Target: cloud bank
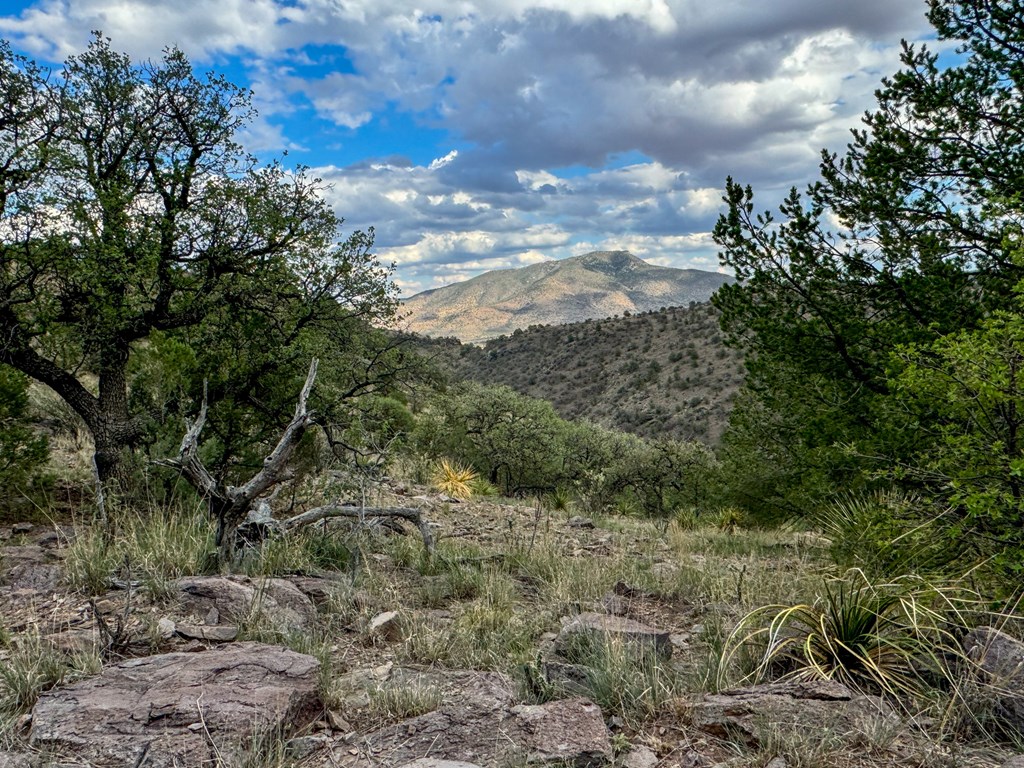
x=478, y=134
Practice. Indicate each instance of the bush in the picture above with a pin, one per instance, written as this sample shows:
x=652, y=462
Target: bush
x=22, y=451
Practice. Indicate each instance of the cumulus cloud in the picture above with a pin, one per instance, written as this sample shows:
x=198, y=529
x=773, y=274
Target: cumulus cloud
x=540, y=100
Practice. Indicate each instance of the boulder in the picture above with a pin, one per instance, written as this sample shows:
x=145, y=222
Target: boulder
x=566, y=732
x=238, y=598
x=1000, y=661
x=179, y=708
x=748, y=714
x=592, y=629
x=479, y=722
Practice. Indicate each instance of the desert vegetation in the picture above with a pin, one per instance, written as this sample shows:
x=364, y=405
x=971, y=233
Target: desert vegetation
x=220, y=464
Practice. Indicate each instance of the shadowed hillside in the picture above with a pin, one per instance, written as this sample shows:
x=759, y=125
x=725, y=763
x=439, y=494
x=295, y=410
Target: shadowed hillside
x=664, y=373
x=597, y=284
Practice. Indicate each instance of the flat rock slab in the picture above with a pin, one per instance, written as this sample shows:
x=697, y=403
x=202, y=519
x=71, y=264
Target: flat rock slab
x=480, y=723
x=591, y=628
x=238, y=598
x=748, y=714
x=179, y=709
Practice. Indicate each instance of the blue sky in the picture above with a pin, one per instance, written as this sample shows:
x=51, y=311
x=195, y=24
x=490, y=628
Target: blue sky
x=484, y=134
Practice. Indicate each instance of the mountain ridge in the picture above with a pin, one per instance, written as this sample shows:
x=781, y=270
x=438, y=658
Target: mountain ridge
x=592, y=286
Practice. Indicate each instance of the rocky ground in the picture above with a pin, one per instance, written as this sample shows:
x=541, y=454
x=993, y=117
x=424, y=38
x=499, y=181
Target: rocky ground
x=529, y=637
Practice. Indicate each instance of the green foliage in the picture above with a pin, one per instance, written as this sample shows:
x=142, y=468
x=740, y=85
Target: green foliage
x=964, y=395
x=520, y=445
x=21, y=450
x=878, y=309
x=179, y=259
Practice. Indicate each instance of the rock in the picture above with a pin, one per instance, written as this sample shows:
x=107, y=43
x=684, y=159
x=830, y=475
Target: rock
x=21, y=529
x=212, y=616
x=179, y=708
x=386, y=625
x=1017, y=761
x=165, y=628
x=580, y=522
x=1000, y=659
x=640, y=757
x=777, y=762
x=33, y=577
x=569, y=679
x=237, y=598
x=478, y=722
x=746, y=714
x=591, y=628
x=318, y=590
x=223, y=633
x=431, y=762
x=302, y=747
x=567, y=732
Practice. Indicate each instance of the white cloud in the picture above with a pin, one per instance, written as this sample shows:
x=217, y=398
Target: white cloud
x=528, y=87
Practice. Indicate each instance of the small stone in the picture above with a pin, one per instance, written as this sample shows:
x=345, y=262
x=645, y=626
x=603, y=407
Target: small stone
x=640, y=757
x=777, y=762
x=680, y=640
x=212, y=616
x=195, y=727
x=433, y=762
x=337, y=722
x=385, y=625
x=20, y=529
x=165, y=628
x=220, y=634
x=580, y=522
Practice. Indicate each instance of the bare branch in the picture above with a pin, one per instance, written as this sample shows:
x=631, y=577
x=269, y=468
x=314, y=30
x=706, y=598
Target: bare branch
x=411, y=514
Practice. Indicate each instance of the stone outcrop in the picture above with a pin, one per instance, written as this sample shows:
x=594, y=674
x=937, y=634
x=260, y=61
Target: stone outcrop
x=479, y=722
x=179, y=708
x=747, y=714
x=238, y=598
x=592, y=629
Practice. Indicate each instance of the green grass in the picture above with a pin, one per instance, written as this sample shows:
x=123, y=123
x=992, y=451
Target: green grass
x=155, y=548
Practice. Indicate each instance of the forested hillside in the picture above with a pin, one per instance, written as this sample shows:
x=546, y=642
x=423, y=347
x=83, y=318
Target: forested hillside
x=658, y=374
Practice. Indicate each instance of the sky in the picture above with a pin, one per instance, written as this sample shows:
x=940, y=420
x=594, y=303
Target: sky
x=487, y=134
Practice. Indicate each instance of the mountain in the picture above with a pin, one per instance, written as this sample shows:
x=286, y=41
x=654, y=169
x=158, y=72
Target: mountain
x=595, y=285
x=656, y=374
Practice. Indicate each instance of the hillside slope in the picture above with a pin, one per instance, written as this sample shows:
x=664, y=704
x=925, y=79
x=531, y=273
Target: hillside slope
x=664, y=373
x=594, y=285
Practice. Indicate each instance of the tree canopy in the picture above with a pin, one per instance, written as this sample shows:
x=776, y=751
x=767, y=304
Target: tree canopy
x=137, y=236
x=893, y=262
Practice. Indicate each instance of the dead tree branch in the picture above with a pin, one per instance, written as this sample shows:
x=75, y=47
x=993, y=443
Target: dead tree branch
x=230, y=504
x=411, y=514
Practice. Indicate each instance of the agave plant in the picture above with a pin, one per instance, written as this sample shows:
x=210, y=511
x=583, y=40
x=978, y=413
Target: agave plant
x=454, y=479
x=891, y=638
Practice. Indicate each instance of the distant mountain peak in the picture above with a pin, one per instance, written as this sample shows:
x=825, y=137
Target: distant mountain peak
x=592, y=285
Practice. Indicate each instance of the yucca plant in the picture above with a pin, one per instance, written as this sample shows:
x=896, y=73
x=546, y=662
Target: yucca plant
x=454, y=479
x=893, y=639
